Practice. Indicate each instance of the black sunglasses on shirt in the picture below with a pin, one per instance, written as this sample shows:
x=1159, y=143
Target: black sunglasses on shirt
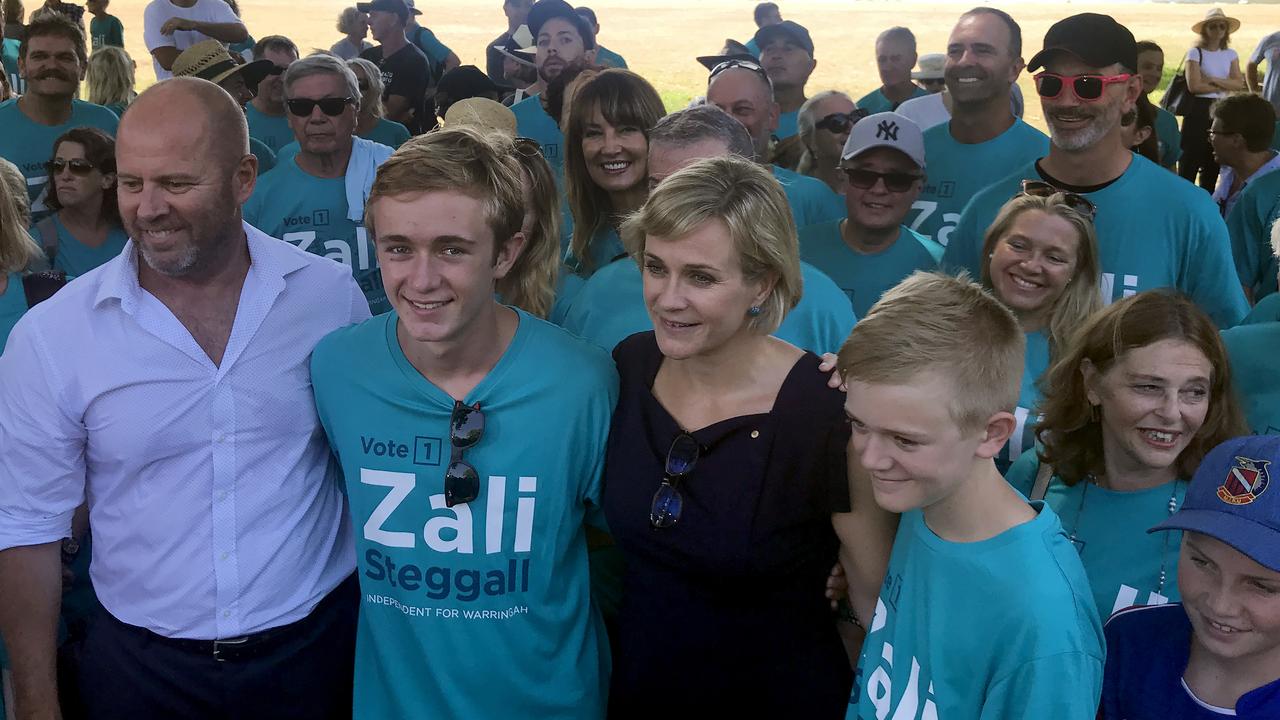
x=668, y=503
x=461, y=481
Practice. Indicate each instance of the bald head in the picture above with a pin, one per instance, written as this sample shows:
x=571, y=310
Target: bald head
x=198, y=109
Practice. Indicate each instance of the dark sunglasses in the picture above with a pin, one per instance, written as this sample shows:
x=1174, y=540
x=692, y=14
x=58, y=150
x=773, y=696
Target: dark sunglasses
x=276, y=70
x=332, y=107
x=840, y=123
x=668, y=503
x=754, y=67
x=1085, y=87
x=1215, y=26
x=893, y=182
x=461, y=481
x=1074, y=201
x=77, y=166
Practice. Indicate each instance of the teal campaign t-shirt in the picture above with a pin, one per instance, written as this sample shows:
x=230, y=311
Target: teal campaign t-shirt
x=266, y=156
x=311, y=212
x=1154, y=230
x=1035, y=363
x=609, y=59
x=788, y=124
x=75, y=258
x=605, y=247
x=1255, y=366
x=9, y=60
x=430, y=45
x=1267, y=310
x=609, y=307
x=274, y=132
x=955, y=172
x=484, y=609
x=1168, y=136
x=13, y=305
x=29, y=145
x=1000, y=628
x=106, y=31
x=1256, y=209
x=388, y=132
x=534, y=123
x=875, y=101
x=865, y=277
x=1109, y=530
x=812, y=201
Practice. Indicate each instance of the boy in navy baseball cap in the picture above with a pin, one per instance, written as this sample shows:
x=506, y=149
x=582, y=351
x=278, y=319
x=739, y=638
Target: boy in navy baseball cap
x=1218, y=651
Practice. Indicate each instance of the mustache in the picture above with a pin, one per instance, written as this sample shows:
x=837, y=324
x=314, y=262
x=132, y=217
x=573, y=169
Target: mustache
x=58, y=74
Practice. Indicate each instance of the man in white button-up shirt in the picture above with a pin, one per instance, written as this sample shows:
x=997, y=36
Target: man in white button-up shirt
x=170, y=389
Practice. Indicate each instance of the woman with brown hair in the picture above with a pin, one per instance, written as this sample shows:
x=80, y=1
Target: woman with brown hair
x=85, y=230
x=1137, y=398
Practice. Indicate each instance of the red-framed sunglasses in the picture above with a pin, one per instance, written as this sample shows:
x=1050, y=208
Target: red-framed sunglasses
x=1086, y=87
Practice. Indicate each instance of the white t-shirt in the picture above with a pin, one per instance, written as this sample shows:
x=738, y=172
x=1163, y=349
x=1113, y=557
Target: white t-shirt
x=1214, y=63
x=929, y=110
x=159, y=12
x=345, y=50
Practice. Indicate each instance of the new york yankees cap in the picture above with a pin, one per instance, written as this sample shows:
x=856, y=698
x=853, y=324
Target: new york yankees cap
x=1231, y=499
x=886, y=129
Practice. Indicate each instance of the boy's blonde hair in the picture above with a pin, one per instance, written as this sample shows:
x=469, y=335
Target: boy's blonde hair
x=110, y=76
x=751, y=205
x=933, y=322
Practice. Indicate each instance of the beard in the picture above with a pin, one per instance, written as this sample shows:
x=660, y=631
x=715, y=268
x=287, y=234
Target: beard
x=1100, y=121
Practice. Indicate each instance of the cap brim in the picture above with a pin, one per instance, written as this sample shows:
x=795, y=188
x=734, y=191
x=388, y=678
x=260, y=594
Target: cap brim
x=930, y=76
x=364, y=7
x=1240, y=533
x=711, y=61
x=254, y=72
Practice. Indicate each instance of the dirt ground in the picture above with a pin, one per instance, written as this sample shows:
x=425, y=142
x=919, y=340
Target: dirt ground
x=660, y=39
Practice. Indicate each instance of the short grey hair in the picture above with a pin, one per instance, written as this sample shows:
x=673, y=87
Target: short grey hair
x=371, y=103
x=703, y=122
x=898, y=33
x=321, y=63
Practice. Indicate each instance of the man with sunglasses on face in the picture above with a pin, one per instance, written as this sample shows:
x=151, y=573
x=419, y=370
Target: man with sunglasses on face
x=472, y=438
x=268, y=120
x=742, y=88
x=1154, y=229
x=210, y=60
x=870, y=251
x=983, y=141
x=315, y=198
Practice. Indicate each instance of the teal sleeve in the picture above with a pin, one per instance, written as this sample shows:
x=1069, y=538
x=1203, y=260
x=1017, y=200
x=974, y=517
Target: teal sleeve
x=1022, y=473
x=431, y=45
x=116, y=35
x=1247, y=224
x=965, y=244
x=1214, y=284
x=1059, y=687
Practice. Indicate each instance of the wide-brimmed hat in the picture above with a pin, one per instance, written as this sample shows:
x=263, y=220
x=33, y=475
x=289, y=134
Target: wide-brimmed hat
x=519, y=46
x=931, y=67
x=483, y=114
x=1216, y=14
x=210, y=60
x=732, y=50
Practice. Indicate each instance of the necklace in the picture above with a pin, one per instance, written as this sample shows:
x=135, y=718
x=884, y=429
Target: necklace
x=1164, y=547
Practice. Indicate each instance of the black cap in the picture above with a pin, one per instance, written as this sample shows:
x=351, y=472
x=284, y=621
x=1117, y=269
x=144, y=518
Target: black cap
x=732, y=50
x=466, y=81
x=1096, y=39
x=544, y=10
x=392, y=6
x=793, y=31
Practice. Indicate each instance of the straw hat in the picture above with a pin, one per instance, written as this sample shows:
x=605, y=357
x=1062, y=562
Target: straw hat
x=482, y=114
x=1216, y=14
x=210, y=60
x=931, y=67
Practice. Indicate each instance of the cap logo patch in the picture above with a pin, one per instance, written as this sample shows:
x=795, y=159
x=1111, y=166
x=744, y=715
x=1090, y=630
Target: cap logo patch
x=887, y=130
x=1245, y=481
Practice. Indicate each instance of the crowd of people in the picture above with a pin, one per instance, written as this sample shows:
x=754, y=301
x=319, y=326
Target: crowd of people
x=364, y=383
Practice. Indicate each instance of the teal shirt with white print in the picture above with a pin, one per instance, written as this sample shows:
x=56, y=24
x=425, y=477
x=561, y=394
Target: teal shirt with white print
x=29, y=145
x=1035, y=363
x=1109, y=530
x=956, y=171
x=310, y=212
x=1255, y=369
x=534, y=123
x=1000, y=628
x=864, y=277
x=482, y=610
x=1155, y=230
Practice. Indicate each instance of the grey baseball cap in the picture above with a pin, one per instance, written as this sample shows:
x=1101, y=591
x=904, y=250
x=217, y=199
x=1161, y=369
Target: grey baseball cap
x=886, y=129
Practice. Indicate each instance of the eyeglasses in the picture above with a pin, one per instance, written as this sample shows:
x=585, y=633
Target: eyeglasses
x=77, y=166
x=1085, y=87
x=1074, y=201
x=461, y=481
x=332, y=107
x=893, y=182
x=754, y=67
x=668, y=503
x=840, y=123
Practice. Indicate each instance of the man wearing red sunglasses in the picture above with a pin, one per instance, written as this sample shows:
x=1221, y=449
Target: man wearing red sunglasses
x=1154, y=229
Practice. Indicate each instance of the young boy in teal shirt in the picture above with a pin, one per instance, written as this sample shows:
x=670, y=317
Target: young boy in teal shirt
x=985, y=611
x=104, y=30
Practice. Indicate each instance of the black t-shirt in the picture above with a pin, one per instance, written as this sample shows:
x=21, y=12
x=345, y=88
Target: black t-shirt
x=408, y=74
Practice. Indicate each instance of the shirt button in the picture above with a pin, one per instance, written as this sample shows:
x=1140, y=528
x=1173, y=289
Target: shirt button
x=226, y=613
x=226, y=555
x=222, y=495
x=218, y=436
x=755, y=434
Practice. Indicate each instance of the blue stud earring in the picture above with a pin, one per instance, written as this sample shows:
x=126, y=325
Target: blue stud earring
x=754, y=311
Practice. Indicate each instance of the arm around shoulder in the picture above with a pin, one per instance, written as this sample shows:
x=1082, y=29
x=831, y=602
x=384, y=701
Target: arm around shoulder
x=866, y=540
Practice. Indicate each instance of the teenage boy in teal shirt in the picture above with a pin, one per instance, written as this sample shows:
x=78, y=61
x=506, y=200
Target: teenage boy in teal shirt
x=104, y=30
x=985, y=610
x=472, y=437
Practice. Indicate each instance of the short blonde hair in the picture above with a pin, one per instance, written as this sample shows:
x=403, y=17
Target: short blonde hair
x=457, y=159
x=110, y=76
x=17, y=250
x=945, y=324
x=370, y=100
x=752, y=206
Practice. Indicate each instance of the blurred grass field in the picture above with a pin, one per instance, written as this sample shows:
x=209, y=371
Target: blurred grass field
x=660, y=38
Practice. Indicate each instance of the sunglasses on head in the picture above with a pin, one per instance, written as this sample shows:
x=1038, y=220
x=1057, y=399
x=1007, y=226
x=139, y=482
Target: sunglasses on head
x=1085, y=87
x=333, y=107
x=1074, y=201
x=754, y=67
x=77, y=166
x=461, y=481
x=893, y=182
x=840, y=123
x=668, y=503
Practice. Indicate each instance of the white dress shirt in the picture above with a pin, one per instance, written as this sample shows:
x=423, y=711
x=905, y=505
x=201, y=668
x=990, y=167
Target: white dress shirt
x=214, y=509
